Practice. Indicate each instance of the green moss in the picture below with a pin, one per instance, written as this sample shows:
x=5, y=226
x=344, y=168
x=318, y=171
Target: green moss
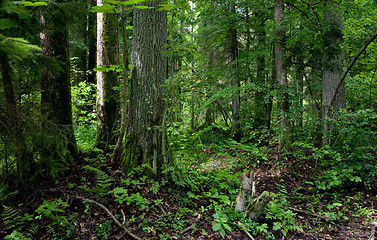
x=132, y=154
x=257, y=209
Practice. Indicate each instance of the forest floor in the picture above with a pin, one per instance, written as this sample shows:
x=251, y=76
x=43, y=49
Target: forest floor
x=161, y=210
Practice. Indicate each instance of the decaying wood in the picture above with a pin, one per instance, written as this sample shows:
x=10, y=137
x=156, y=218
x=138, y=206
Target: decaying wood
x=307, y=213
x=256, y=209
x=247, y=189
x=110, y=214
x=245, y=230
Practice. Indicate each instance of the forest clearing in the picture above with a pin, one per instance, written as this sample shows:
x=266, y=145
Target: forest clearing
x=217, y=119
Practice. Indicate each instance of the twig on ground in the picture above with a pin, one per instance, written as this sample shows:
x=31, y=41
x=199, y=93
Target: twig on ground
x=110, y=214
x=373, y=235
x=161, y=209
x=190, y=227
x=124, y=217
x=245, y=230
x=187, y=229
x=307, y=213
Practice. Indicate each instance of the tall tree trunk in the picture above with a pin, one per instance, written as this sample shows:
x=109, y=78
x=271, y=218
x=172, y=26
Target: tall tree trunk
x=91, y=43
x=333, y=57
x=55, y=81
x=125, y=86
x=281, y=71
x=107, y=96
x=260, y=106
x=235, y=78
x=146, y=141
x=14, y=123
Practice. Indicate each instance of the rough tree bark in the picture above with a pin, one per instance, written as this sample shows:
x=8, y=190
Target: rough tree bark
x=14, y=121
x=91, y=39
x=107, y=96
x=260, y=105
x=125, y=85
x=333, y=57
x=281, y=71
x=146, y=141
x=55, y=82
x=235, y=78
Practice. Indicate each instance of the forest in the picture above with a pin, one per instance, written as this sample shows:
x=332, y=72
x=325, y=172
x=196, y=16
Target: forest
x=175, y=119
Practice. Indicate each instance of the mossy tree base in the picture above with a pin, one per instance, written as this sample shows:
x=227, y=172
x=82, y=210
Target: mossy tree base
x=257, y=208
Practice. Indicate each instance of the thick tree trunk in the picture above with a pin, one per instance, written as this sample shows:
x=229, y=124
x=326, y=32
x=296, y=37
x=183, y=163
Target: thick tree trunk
x=333, y=57
x=107, y=96
x=14, y=121
x=55, y=81
x=235, y=78
x=281, y=72
x=146, y=141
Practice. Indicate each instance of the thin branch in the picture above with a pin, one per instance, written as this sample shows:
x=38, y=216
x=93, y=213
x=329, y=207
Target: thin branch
x=307, y=213
x=245, y=230
x=350, y=65
x=110, y=214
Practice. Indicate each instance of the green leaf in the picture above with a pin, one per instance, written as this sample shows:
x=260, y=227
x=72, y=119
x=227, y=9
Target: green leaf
x=6, y=23
x=18, y=47
x=132, y=2
x=33, y=4
x=277, y=226
x=166, y=7
x=216, y=227
x=227, y=227
x=105, y=8
x=143, y=7
x=222, y=232
x=190, y=194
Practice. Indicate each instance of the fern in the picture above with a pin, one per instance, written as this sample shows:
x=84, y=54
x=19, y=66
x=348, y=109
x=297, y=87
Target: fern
x=16, y=235
x=103, y=181
x=14, y=221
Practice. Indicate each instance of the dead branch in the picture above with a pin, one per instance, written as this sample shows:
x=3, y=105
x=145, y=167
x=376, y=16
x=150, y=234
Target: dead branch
x=350, y=65
x=110, y=214
x=373, y=235
x=307, y=213
x=245, y=230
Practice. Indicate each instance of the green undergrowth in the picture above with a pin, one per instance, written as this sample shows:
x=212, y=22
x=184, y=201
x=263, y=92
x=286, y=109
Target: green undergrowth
x=196, y=196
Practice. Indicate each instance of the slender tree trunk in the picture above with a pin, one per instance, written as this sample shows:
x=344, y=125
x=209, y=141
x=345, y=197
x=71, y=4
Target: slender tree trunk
x=146, y=141
x=281, y=72
x=260, y=106
x=333, y=57
x=125, y=85
x=55, y=81
x=91, y=43
x=235, y=78
x=208, y=120
x=271, y=85
x=107, y=96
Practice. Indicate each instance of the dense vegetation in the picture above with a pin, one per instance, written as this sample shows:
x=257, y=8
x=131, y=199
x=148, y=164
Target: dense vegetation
x=153, y=119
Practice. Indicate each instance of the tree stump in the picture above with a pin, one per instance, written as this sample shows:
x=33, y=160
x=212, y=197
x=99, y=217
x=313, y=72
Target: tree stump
x=256, y=208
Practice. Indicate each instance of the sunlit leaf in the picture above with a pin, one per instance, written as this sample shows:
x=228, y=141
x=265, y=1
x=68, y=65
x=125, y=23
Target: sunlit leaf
x=33, y=4
x=106, y=8
x=166, y=7
x=143, y=7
